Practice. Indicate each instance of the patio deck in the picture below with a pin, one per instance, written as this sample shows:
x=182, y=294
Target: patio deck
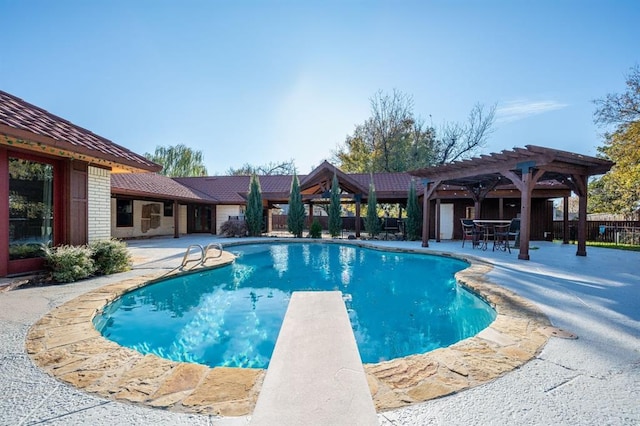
x=591, y=380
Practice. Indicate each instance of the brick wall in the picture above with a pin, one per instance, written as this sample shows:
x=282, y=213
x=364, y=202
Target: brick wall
x=99, y=202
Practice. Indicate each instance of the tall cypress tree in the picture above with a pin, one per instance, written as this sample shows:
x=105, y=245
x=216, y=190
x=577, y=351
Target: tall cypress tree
x=335, y=212
x=254, y=208
x=414, y=214
x=372, y=222
x=295, y=219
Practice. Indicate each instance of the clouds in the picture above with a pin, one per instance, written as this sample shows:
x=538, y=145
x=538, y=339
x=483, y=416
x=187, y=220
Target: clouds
x=510, y=111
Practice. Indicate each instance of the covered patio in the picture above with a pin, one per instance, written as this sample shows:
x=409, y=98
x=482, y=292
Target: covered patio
x=523, y=168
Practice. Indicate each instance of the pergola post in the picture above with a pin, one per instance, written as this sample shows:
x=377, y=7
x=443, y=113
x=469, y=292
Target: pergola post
x=429, y=189
x=425, y=216
x=581, y=189
x=176, y=219
x=565, y=220
x=525, y=185
x=437, y=220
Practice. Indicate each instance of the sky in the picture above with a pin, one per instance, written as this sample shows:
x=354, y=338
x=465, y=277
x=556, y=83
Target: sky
x=272, y=81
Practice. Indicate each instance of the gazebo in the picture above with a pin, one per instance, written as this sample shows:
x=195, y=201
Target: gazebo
x=523, y=168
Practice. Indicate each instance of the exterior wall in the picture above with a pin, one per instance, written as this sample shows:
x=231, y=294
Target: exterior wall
x=165, y=228
x=223, y=212
x=182, y=227
x=98, y=203
x=541, y=214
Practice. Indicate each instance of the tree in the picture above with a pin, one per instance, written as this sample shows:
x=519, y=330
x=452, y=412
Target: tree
x=178, y=161
x=372, y=222
x=253, y=215
x=335, y=211
x=392, y=139
x=295, y=218
x=413, y=222
x=618, y=191
x=283, y=168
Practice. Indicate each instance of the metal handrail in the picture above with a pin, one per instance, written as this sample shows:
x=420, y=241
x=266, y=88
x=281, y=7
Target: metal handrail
x=205, y=252
x=186, y=259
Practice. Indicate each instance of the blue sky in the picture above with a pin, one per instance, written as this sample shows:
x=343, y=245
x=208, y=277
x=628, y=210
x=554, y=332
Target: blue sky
x=262, y=81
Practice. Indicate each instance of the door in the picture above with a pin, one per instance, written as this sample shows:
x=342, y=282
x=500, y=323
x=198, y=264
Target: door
x=446, y=221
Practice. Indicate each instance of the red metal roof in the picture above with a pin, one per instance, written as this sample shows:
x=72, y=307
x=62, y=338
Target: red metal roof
x=233, y=189
x=23, y=121
x=155, y=186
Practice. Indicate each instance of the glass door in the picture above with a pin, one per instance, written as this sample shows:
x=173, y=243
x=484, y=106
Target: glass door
x=31, y=210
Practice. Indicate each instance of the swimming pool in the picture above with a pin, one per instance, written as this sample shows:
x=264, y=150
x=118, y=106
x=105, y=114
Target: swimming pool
x=398, y=303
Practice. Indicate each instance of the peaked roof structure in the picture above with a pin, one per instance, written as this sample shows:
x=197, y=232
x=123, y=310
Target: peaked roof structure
x=28, y=127
x=320, y=179
x=487, y=169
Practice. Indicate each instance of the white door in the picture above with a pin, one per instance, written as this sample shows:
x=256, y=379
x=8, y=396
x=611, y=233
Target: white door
x=446, y=221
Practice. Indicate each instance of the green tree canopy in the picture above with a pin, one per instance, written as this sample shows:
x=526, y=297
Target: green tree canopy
x=178, y=161
x=618, y=191
x=393, y=139
x=295, y=218
x=253, y=215
x=335, y=211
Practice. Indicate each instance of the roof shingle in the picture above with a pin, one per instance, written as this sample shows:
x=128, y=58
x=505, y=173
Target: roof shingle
x=155, y=185
x=51, y=130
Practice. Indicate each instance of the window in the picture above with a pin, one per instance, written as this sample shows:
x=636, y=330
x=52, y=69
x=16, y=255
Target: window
x=168, y=209
x=30, y=208
x=124, y=213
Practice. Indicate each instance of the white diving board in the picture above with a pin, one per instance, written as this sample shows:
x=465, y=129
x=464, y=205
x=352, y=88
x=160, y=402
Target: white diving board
x=315, y=376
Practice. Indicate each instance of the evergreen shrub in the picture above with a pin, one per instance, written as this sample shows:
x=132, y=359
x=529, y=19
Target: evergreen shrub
x=110, y=256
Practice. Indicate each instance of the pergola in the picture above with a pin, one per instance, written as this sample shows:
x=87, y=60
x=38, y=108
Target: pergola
x=317, y=186
x=524, y=168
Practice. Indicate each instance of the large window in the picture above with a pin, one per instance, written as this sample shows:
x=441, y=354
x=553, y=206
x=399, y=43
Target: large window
x=124, y=213
x=30, y=208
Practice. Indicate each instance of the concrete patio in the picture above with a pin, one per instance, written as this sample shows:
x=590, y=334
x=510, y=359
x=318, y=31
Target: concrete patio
x=592, y=380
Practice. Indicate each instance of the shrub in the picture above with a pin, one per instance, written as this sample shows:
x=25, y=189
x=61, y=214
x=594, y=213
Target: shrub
x=372, y=221
x=253, y=215
x=233, y=228
x=414, y=214
x=295, y=218
x=315, y=230
x=110, y=256
x=69, y=263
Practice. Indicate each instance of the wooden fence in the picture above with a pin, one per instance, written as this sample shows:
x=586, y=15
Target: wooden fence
x=609, y=231
x=279, y=222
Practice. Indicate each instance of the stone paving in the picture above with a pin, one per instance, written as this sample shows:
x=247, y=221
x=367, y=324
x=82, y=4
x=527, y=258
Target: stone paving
x=65, y=347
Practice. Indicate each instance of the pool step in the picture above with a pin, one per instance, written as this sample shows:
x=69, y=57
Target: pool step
x=315, y=375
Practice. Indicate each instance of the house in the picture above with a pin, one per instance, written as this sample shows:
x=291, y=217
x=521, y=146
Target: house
x=55, y=183
x=212, y=200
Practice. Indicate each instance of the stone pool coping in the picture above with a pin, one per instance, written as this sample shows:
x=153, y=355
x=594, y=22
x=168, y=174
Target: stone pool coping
x=65, y=344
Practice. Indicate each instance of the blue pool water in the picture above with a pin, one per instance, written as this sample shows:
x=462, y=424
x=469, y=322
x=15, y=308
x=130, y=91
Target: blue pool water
x=398, y=303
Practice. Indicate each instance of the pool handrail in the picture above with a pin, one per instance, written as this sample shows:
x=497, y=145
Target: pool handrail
x=186, y=260
x=205, y=252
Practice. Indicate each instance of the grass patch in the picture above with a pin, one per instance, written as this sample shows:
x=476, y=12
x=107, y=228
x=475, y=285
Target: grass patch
x=628, y=247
